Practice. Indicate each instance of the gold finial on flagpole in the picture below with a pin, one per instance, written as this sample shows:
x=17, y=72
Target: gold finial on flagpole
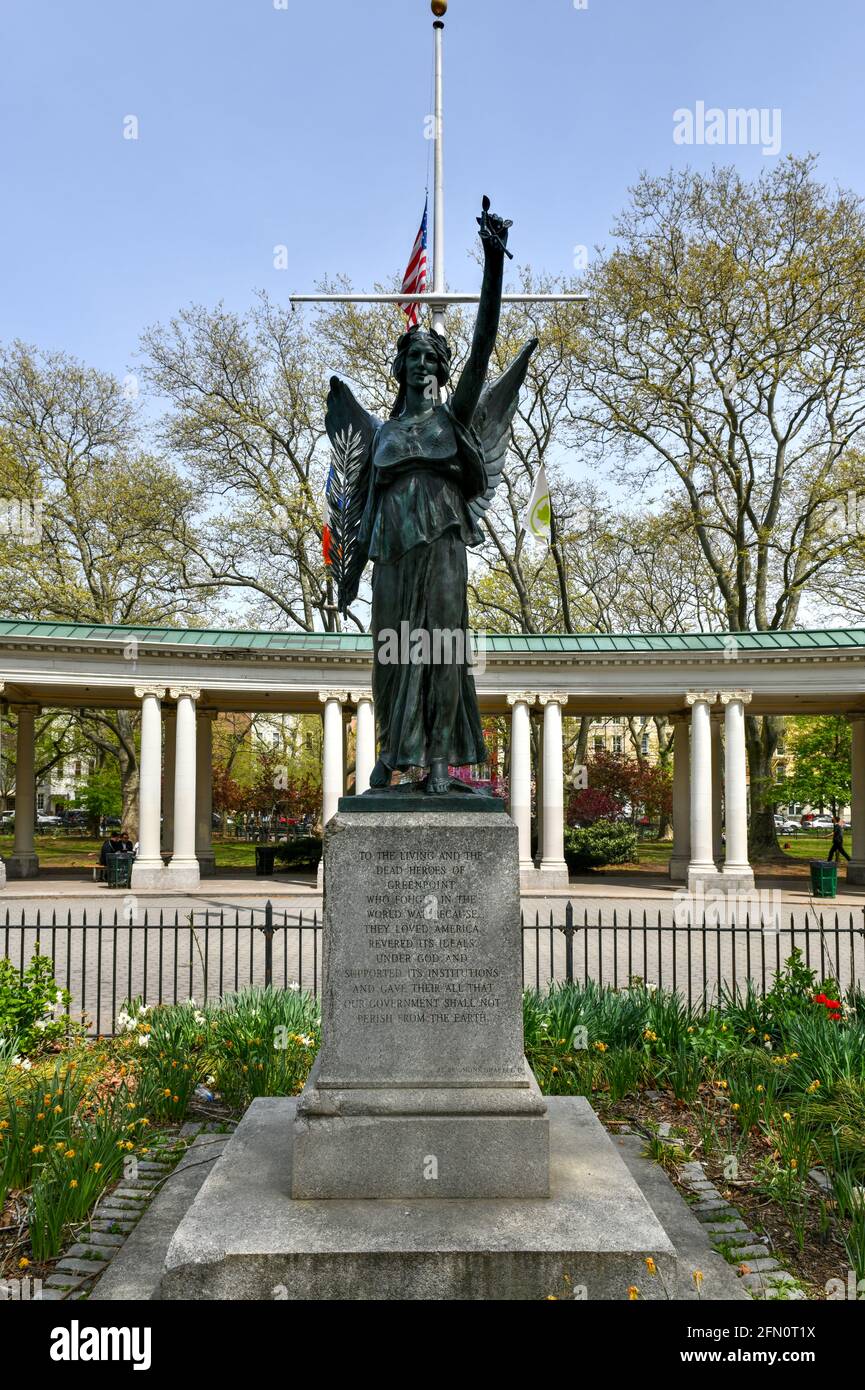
x=439, y=8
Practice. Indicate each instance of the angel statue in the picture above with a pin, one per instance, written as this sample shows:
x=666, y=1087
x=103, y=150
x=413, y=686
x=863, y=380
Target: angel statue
x=408, y=493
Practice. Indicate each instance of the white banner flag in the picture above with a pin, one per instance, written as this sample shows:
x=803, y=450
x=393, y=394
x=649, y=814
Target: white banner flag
x=536, y=520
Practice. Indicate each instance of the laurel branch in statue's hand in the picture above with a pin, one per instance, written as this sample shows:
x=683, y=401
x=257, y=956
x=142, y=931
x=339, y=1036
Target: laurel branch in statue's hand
x=493, y=229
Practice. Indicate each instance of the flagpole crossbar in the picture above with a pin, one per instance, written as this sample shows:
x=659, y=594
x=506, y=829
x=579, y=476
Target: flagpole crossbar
x=434, y=299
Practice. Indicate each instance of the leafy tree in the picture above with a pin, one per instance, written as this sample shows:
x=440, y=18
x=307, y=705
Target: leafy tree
x=101, y=794
x=722, y=355
x=820, y=748
x=114, y=522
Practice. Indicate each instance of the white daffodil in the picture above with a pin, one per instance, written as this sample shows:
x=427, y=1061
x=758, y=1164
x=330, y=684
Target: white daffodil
x=143, y=1039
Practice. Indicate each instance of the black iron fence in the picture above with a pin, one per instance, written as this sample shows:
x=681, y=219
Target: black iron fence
x=164, y=957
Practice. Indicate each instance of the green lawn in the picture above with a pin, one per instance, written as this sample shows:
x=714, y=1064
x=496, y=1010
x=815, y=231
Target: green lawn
x=656, y=853
x=61, y=851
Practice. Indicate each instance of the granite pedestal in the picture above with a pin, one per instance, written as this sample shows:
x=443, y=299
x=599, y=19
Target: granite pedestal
x=245, y=1237
x=421, y=1087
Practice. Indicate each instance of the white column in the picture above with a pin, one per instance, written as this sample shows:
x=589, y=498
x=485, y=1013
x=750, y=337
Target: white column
x=148, y=870
x=332, y=761
x=702, y=865
x=736, y=866
x=717, y=789
x=364, y=740
x=23, y=862
x=539, y=797
x=553, y=870
x=204, y=792
x=170, y=720
x=521, y=775
x=856, y=867
x=183, y=872
x=332, y=769
x=681, y=855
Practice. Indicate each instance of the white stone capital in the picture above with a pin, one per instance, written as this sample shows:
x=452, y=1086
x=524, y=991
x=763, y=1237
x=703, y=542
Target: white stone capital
x=523, y=697
x=704, y=697
x=727, y=697
x=552, y=697
x=158, y=691
x=327, y=695
x=190, y=692
x=358, y=695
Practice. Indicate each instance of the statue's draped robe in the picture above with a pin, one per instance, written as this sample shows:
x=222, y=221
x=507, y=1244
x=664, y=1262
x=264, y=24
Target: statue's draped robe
x=416, y=527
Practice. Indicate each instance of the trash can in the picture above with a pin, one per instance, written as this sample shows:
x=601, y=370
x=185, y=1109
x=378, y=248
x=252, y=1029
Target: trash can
x=824, y=878
x=264, y=857
x=118, y=871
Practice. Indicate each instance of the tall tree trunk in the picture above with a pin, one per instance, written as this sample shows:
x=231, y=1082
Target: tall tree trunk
x=129, y=775
x=762, y=733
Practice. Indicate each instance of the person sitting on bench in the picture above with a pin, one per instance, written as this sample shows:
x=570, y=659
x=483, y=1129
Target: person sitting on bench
x=113, y=845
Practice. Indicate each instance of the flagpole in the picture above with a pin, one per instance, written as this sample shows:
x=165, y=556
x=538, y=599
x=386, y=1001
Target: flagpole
x=438, y=313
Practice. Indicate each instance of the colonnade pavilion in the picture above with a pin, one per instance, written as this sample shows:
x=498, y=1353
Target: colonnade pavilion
x=180, y=679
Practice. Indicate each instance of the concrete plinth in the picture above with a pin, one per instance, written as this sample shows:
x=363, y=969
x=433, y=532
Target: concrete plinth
x=206, y=865
x=182, y=875
x=721, y=882
x=545, y=876
x=244, y=1237
x=147, y=873
x=22, y=866
x=856, y=871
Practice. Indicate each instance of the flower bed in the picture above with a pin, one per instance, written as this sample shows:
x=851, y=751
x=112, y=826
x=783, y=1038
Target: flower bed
x=767, y=1092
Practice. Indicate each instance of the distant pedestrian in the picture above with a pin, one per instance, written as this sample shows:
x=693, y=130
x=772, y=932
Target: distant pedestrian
x=838, y=841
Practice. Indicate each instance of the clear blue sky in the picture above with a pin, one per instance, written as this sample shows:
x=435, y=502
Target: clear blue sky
x=303, y=125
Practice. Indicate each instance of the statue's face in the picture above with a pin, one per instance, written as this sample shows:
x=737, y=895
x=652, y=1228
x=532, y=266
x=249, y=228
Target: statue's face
x=421, y=366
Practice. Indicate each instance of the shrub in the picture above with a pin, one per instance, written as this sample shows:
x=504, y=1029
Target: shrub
x=33, y=1011
x=303, y=853
x=605, y=842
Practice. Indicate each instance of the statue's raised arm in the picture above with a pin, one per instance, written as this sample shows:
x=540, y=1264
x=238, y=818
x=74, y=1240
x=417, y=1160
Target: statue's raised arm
x=494, y=238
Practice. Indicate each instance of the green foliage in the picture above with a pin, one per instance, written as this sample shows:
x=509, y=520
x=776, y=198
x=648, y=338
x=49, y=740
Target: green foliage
x=64, y=1135
x=263, y=1042
x=33, y=1010
x=302, y=853
x=605, y=842
x=101, y=794
x=820, y=749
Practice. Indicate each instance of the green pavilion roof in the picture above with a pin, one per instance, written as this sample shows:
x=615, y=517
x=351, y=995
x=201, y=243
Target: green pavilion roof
x=551, y=644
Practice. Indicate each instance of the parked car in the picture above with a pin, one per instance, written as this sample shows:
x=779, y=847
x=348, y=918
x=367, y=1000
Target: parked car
x=786, y=825
x=47, y=822
x=822, y=823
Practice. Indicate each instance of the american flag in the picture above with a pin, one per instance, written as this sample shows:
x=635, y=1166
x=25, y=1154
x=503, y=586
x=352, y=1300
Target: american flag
x=414, y=281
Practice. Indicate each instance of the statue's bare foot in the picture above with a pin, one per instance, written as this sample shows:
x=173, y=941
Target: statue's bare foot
x=380, y=775
x=439, y=778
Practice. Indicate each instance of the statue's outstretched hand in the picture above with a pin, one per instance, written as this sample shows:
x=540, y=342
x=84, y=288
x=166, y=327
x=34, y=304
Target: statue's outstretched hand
x=493, y=229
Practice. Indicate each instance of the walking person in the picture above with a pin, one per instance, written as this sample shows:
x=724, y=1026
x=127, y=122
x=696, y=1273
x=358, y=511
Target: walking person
x=837, y=841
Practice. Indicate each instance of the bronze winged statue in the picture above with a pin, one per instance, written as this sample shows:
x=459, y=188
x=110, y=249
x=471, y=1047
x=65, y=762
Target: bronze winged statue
x=408, y=494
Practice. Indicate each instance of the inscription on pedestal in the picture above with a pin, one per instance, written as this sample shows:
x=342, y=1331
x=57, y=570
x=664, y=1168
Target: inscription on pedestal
x=422, y=969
